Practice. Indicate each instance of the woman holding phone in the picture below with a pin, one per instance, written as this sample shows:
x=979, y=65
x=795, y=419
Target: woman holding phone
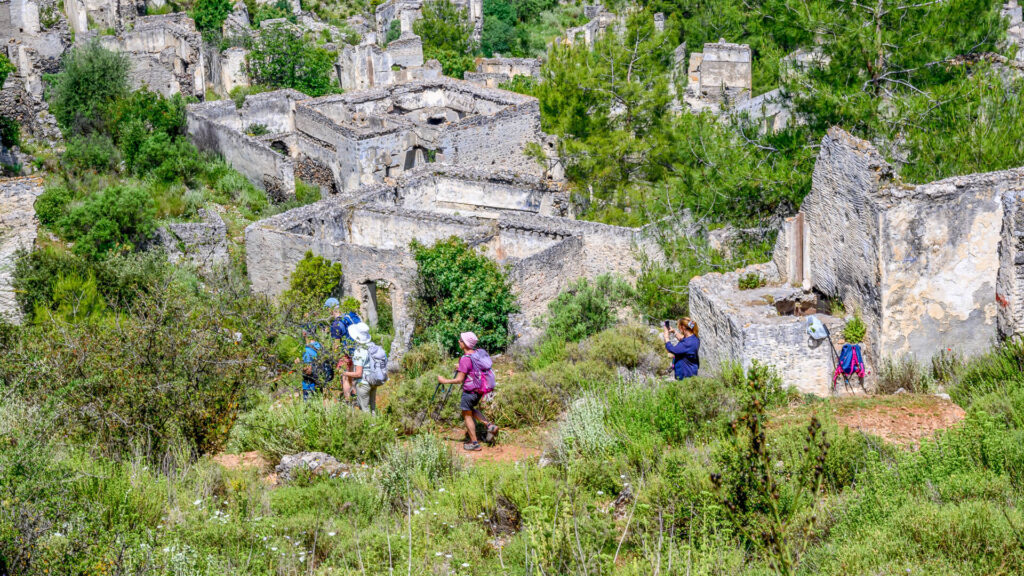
x=685, y=351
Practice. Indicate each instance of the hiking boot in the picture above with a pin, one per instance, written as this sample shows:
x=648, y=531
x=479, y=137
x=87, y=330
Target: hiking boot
x=471, y=446
x=492, y=431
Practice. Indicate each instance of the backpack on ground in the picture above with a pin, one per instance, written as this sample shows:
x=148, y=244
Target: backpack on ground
x=481, y=377
x=340, y=325
x=377, y=372
x=849, y=363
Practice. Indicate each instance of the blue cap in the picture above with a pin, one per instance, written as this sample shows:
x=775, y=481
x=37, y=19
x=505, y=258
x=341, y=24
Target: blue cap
x=331, y=303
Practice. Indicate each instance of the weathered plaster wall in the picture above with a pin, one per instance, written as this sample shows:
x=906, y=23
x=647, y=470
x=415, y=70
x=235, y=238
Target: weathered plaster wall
x=940, y=259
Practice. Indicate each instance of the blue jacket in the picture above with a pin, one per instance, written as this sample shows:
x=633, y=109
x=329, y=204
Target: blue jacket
x=686, y=361
x=310, y=352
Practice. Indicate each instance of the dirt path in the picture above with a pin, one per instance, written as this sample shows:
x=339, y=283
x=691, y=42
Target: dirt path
x=243, y=460
x=511, y=446
x=903, y=420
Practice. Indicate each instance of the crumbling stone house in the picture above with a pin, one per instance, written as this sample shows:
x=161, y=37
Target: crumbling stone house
x=165, y=52
x=720, y=76
x=342, y=142
x=368, y=65
x=492, y=72
x=928, y=267
x=520, y=221
x=600, y=21
x=33, y=37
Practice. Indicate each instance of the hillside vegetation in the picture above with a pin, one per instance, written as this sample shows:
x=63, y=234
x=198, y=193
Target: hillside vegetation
x=131, y=378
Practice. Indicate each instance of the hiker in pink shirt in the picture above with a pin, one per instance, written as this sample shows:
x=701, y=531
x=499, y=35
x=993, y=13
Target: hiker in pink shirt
x=477, y=379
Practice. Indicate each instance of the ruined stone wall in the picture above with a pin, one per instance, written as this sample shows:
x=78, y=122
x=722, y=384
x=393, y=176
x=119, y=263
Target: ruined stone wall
x=18, y=227
x=492, y=72
x=265, y=168
x=391, y=228
x=940, y=259
x=407, y=51
x=452, y=189
x=165, y=52
x=496, y=142
x=843, y=223
x=744, y=326
x=364, y=66
x=203, y=244
x=537, y=279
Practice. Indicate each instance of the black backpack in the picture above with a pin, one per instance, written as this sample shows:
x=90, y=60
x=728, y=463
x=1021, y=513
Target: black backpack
x=323, y=371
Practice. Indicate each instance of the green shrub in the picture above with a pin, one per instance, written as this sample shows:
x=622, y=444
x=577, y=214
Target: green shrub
x=257, y=129
x=238, y=93
x=6, y=67
x=84, y=93
x=75, y=300
x=524, y=401
x=586, y=308
x=306, y=193
x=118, y=218
x=346, y=434
x=51, y=204
x=314, y=280
x=210, y=14
x=751, y=281
x=461, y=290
x=904, y=373
x=394, y=31
x=93, y=152
x=446, y=32
x=10, y=132
x=583, y=431
x=855, y=330
x=283, y=58
x=997, y=371
x=417, y=466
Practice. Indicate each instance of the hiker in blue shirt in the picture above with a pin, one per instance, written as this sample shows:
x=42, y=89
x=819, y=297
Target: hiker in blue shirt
x=309, y=369
x=685, y=357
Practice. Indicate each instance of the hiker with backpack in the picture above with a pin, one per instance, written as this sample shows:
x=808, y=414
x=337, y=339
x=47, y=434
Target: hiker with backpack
x=368, y=369
x=310, y=370
x=685, y=351
x=477, y=378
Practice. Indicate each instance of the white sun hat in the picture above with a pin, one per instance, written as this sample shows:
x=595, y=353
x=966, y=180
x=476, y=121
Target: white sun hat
x=359, y=332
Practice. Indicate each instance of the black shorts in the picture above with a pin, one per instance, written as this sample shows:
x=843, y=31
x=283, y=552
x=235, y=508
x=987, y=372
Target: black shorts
x=469, y=401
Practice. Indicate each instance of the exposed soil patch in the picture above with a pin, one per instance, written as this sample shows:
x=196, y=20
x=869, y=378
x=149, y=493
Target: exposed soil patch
x=243, y=460
x=904, y=423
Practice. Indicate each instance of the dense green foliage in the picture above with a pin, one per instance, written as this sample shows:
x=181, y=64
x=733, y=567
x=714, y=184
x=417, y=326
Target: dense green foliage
x=461, y=290
x=523, y=28
x=586, y=308
x=314, y=280
x=211, y=14
x=90, y=85
x=116, y=219
x=284, y=58
x=446, y=30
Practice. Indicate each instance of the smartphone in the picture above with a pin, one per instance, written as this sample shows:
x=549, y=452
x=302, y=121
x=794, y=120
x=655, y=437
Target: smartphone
x=666, y=325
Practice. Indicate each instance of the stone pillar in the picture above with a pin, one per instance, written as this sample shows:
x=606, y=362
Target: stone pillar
x=1010, y=278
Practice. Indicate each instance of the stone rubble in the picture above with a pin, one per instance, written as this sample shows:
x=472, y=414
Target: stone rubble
x=312, y=463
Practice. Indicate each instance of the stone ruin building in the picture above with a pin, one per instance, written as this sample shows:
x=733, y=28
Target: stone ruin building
x=521, y=221
x=370, y=66
x=492, y=72
x=599, y=21
x=928, y=267
x=720, y=76
x=408, y=11
x=166, y=54
x=1015, y=33
x=344, y=141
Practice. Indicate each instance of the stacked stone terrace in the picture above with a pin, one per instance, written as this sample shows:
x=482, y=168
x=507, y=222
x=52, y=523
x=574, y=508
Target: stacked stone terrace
x=928, y=267
x=520, y=221
x=18, y=227
x=342, y=142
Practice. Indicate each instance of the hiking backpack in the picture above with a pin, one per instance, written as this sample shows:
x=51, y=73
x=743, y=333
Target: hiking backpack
x=340, y=325
x=377, y=372
x=849, y=363
x=481, y=377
